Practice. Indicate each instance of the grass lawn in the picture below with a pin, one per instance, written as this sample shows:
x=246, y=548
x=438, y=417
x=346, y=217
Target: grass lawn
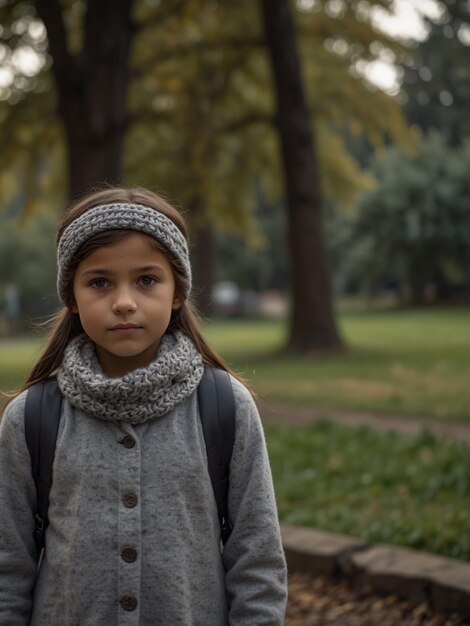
x=404, y=362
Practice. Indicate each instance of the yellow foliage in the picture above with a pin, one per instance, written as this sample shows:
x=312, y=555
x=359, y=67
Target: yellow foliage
x=194, y=150
x=341, y=177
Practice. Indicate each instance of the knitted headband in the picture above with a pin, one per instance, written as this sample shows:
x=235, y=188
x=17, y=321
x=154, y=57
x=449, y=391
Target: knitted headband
x=118, y=216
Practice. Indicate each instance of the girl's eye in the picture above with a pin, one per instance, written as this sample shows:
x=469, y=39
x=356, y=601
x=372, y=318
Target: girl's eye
x=147, y=281
x=99, y=283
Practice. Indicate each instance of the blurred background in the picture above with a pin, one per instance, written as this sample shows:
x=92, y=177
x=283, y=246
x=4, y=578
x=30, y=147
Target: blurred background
x=320, y=150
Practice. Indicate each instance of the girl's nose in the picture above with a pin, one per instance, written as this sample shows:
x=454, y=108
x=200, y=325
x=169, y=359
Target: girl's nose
x=124, y=301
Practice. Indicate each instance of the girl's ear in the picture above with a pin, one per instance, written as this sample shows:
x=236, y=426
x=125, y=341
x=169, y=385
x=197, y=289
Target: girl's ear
x=177, y=303
x=73, y=307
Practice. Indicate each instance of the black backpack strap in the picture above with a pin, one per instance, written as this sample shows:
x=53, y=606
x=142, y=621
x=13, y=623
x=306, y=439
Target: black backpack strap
x=217, y=411
x=42, y=417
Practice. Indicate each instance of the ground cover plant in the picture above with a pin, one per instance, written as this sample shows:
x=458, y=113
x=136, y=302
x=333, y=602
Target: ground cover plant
x=382, y=487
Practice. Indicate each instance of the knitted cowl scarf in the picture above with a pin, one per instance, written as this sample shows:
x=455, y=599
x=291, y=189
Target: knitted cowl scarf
x=138, y=396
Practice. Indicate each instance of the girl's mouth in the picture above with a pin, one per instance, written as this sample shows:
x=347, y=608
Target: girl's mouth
x=125, y=328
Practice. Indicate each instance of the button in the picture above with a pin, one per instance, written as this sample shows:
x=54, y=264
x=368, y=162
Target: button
x=129, y=555
x=128, y=603
x=128, y=441
x=129, y=500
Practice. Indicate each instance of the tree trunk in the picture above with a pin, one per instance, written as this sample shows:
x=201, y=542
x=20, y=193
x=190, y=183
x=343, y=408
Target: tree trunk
x=92, y=89
x=312, y=322
x=203, y=259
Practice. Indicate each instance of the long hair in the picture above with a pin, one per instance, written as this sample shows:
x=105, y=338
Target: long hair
x=66, y=325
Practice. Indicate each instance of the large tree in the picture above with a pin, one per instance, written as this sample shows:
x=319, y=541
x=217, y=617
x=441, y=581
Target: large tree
x=312, y=325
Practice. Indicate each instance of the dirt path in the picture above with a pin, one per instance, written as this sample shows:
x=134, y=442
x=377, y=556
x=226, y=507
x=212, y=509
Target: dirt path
x=272, y=413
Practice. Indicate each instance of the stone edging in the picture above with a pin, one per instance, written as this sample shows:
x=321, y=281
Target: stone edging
x=418, y=576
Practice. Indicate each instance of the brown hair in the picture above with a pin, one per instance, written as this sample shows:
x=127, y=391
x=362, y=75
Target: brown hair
x=66, y=325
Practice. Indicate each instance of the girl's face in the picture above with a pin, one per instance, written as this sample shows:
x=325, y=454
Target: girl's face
x=124, y=295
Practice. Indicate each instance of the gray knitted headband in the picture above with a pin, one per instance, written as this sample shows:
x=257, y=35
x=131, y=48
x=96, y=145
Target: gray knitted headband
x=119, y=216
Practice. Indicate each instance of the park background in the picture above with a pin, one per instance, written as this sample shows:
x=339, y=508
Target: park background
x=321, y=154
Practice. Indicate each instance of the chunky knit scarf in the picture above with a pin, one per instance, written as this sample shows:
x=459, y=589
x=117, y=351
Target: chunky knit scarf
x=141, y=394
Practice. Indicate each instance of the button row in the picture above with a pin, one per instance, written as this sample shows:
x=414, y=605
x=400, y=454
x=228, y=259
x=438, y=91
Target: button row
x=128, y=603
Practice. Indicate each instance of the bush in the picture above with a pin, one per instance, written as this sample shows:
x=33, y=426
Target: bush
x=413, y=228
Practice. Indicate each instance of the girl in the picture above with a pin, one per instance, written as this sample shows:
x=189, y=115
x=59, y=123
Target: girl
x=133, y=535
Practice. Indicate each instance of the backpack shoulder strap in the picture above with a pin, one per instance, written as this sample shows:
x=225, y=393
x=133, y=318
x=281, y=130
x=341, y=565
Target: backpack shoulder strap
x=217, y=413
x=42, y=417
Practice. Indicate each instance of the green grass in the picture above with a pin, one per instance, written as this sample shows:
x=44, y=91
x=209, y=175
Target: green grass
x=404, y=362
x=379, y=487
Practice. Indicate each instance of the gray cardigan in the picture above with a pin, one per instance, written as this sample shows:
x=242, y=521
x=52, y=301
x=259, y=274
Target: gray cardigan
x=133, y=533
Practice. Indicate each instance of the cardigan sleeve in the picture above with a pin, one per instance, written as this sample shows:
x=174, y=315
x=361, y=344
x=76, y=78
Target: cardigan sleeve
x=18, y=562
x=255, y=567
